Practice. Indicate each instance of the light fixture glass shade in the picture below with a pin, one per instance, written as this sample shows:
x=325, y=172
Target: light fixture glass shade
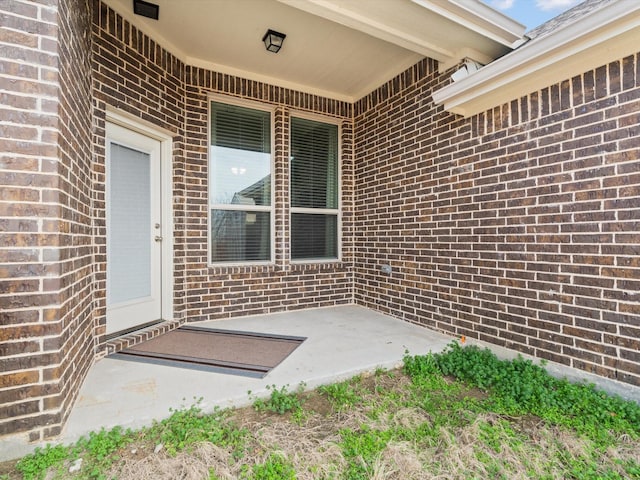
x=273, y=40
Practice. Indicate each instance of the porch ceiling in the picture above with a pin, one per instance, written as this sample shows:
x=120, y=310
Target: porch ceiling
x=337, y=48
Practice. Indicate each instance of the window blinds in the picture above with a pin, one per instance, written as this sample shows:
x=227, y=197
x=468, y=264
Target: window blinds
x=314, y=164
x=314, y=190
x=240, y=184
x=240, y=128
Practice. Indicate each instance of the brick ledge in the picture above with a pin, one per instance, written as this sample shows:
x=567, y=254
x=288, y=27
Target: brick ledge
x=134, y=338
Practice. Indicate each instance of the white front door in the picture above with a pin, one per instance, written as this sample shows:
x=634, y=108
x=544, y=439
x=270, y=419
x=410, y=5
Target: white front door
x=134, y=229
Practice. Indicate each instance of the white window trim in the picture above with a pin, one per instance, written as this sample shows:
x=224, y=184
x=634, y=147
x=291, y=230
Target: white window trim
x=319, y=211
x=263, y=208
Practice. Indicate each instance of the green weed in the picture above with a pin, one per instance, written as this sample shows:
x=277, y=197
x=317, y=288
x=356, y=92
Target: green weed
x=343, y=395
x=361, y=449
x=518, y=387
x=35, y=465
x=281, y=400
x=186, y=427
x=96, y=450
x=427, y=376
x=275, y=467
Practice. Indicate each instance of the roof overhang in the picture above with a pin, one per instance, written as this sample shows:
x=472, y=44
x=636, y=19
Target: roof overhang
x=604, y=35
x=341, y=49
x=471, y=16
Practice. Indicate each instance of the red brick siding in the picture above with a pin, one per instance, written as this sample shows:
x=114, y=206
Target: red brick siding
x=75, y=250
x=518, y=226
x=45, y=244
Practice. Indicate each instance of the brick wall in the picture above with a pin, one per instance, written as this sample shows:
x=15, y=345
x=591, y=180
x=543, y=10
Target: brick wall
x=75, y=252
x=45, y=254
x=518, y=226
x=135, y=74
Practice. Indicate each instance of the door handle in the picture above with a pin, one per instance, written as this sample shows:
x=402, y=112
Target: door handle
x=157, y=238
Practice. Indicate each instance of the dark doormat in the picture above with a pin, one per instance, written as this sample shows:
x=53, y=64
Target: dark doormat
x=224, y=351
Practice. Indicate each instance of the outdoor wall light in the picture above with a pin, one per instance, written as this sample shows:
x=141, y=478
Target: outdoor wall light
x=146, y=9
x=273, y=40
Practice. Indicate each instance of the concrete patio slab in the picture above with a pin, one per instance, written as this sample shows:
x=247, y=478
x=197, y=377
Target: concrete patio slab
x=341, y=342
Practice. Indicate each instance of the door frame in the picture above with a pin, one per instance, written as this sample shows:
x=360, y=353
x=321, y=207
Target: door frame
x=165, y=137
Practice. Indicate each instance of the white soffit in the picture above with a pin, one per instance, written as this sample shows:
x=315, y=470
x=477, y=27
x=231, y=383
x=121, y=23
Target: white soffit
x=341, y=49
x=445, y=30
x=604, y=35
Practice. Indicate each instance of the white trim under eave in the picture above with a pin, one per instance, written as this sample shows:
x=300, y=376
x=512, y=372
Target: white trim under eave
x=607, y=34
x=477, y=17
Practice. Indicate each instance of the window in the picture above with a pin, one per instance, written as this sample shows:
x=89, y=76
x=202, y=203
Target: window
x=314, y=190
x=240, y=184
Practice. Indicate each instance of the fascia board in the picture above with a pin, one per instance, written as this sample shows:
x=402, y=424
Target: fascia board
x=477, y=17
x=607, y=34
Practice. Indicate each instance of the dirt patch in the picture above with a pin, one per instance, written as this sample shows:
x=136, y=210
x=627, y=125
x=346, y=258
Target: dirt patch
x=8, y=469
x=316, y=403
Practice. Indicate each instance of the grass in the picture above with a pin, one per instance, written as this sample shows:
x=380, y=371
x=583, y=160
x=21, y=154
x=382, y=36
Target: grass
x=459, y=414
x=281, y=400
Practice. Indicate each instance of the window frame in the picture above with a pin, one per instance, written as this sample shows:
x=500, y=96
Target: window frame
x=320, y=211
x=271, y=209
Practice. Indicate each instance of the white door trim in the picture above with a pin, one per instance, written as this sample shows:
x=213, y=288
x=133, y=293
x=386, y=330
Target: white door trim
x=165, y=138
